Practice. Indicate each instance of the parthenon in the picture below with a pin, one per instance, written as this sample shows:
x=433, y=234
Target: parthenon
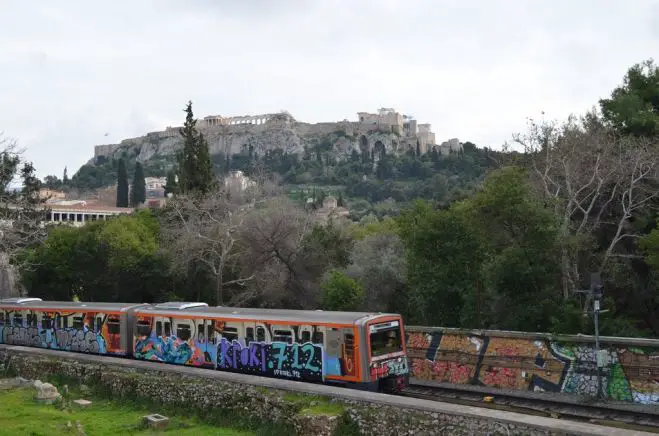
x=218, y=120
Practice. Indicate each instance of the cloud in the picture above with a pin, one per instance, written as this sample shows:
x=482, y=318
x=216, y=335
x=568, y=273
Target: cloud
x=74, y=70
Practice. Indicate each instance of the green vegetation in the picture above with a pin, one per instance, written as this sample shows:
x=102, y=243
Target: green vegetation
x=474, y=239
x=122, y=184
x=138, y=189
x=20, y=414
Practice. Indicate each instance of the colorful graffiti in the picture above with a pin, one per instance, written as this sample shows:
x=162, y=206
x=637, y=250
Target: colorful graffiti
x=389, y=368
x=279, y=359
x=501, y=361
x=83, y=339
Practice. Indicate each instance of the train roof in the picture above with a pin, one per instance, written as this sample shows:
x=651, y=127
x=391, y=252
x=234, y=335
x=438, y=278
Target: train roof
x=83, y=306
x=272, y=315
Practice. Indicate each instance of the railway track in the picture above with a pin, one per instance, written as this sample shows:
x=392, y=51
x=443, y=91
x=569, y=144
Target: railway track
x=595, y=414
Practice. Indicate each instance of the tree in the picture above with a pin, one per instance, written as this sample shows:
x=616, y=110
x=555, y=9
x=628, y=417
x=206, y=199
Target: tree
x=114, y=260
x=138, y=190
x=171, y=185
x=65, y=177
x=203, y=231
x=340, y=292
x=596, y=181
x=122, y=184
x=194, y=162
x=634, y=106
x=21, y=211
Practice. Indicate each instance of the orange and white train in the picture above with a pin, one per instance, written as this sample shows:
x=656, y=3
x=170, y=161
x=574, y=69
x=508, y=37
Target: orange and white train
x=355, y=349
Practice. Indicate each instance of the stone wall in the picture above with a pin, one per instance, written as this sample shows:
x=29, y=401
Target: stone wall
x=536, y=362
x=310, y=409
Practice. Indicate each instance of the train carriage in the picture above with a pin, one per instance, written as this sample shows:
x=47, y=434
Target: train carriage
x=362, y=350
x=98, y=328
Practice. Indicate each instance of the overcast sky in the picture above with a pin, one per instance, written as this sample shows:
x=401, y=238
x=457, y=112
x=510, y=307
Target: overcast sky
x=72, y=71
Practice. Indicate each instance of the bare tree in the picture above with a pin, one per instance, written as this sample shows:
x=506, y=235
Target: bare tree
x=204, y=230
x=273, y=236
x=22, y=212
x=592, y=178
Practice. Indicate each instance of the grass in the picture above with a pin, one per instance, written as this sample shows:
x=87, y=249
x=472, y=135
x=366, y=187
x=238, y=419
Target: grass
x=21, y=415
x=314, y=405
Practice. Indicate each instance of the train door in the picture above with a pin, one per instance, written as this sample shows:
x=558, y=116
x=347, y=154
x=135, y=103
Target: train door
x=207, y=340
x=333, y=347
x=349, y=352
x=114, y=333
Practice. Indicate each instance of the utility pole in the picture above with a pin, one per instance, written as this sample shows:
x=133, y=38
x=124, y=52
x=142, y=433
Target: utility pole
x=595, y=293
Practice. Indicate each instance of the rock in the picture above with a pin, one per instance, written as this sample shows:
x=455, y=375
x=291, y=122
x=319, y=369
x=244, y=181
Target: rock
x=47, y=393
x=82, y=403
x=315, y=425
x=37, y=384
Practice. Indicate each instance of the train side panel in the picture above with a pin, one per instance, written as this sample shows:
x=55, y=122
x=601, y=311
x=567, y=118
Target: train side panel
x=96, y=332
x=296, y=351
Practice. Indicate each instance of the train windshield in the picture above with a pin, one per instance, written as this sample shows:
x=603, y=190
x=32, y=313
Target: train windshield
x=385, y=338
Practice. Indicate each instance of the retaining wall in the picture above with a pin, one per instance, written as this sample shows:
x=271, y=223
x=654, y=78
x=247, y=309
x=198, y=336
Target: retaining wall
x=536, y=362
x=274, y=400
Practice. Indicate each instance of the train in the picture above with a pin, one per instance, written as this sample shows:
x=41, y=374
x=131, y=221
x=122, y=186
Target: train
x=359, y=350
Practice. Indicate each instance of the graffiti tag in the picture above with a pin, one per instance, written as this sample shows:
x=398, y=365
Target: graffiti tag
x=278, y=359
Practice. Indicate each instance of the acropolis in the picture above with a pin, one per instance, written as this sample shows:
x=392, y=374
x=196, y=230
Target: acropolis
x=384, y=131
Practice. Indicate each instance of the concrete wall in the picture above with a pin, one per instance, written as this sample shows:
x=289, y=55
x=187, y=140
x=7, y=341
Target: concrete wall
x=536, y=362
x=270, y=400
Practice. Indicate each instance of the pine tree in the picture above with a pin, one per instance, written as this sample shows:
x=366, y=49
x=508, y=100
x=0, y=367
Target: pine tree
x=138, y=189
x=65, y=177
x=122, y=184
x=195, y=166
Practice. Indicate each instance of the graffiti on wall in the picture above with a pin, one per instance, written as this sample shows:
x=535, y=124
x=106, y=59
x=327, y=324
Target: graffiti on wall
x=84, y=339
x=631, y=374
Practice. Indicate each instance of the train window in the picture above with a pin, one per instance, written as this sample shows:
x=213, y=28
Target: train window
x=2, y=318
x=159, y=328
x=29, y=319
x=305, y=336
x=65, y=321
x=183, y=332
x=143, y=328
x=260, y=334
x=18, y=319
x=46, y=322
x=35, y=319
x=385, y=339
x=99, y=324
x=168, y=329
x=211, y=332
x=350, y=344
x=200, y=332
x=114, y=327
x=58, y=321
x=77, y=322
x=249, y=334
x=283, y=336
x=318, y=338
x=230, y=333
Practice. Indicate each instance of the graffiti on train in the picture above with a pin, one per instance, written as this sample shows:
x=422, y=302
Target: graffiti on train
x=279, y=359
x=82, y=340
x=390, y=368
x=630, y=374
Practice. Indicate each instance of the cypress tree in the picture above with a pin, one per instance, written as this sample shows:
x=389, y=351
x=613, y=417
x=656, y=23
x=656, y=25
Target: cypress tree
x=194, y=161
x=171, y=186
x=122, y=184
x=138, y=189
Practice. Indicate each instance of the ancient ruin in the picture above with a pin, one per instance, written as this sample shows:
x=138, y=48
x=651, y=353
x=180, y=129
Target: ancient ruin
x=383, y=132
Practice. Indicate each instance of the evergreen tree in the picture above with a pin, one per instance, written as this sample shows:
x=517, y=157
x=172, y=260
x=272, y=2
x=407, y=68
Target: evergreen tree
x=195, y=166
x=65, y=177
x=418, y=149
x=138, y=189
x=122, y=184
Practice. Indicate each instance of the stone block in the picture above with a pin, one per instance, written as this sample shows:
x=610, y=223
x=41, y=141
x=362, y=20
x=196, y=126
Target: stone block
x=82, y=403
x=156, y=421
